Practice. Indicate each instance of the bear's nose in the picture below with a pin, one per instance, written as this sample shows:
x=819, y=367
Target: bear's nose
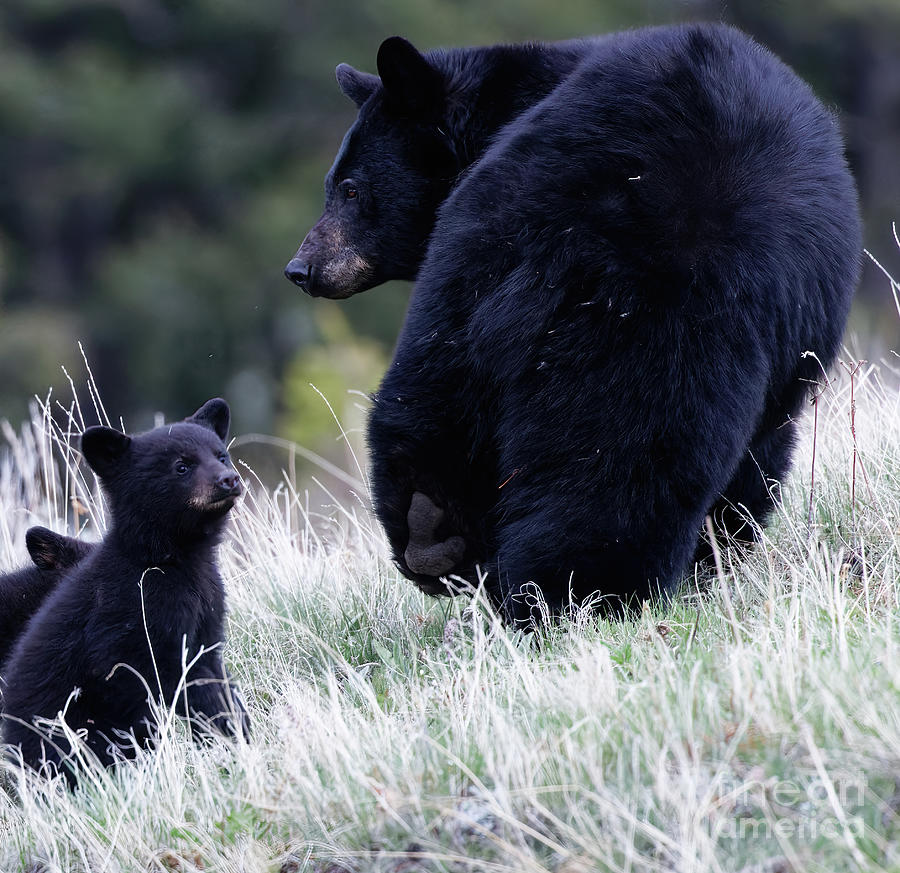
x=300, y=273
x=229, y=483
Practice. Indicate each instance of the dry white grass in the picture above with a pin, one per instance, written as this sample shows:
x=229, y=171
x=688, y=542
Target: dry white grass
x=751, y=726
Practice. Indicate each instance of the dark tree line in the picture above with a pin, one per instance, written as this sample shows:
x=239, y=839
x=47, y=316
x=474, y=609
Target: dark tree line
x=160, y=161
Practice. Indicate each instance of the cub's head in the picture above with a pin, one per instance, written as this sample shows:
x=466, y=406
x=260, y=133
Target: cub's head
x=174, y=481
x=52, y=553
x=395, y=167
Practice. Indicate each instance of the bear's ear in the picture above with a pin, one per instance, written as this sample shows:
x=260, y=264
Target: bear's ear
x=214, y=415
x=412, y=85
x=356, y=85
x=103, y=448
x=49, y=550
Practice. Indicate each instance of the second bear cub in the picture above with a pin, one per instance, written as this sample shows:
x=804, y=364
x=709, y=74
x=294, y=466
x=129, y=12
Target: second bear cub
x=118, y=632
x=22, y=591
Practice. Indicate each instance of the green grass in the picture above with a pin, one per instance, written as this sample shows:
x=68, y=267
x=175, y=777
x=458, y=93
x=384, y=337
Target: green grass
x=753, y=725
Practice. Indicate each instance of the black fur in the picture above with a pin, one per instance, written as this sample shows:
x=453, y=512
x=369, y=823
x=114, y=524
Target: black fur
x=607, y=338
x=148, y=590
x=23, y=591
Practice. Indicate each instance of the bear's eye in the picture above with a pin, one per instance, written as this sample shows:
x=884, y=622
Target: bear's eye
x=224, y=458
x=351, y=192
x=182, y=467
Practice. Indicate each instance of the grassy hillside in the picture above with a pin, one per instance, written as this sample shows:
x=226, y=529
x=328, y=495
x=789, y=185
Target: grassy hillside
x=752, y=726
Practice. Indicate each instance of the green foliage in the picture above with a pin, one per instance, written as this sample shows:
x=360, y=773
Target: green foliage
x=329, y=370
x=45, y=338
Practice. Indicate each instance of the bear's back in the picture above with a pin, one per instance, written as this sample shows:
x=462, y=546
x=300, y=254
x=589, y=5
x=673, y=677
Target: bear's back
x=675, y=167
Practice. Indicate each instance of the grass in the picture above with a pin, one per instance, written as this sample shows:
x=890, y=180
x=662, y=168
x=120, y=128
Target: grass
x=754, y=725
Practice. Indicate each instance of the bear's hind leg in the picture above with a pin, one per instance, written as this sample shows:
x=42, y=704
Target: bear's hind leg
x=748, y=501
x=549, y=563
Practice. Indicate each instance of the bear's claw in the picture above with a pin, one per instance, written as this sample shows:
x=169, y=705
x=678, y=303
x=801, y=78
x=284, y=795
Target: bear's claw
x=424, y=555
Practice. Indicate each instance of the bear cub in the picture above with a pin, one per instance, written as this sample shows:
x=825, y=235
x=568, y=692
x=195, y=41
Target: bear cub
x=22, y=591
x=141, y=619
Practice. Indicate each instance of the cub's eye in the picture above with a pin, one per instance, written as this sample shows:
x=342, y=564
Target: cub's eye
x=351, y=192
x=181, y=468
x=224, y=458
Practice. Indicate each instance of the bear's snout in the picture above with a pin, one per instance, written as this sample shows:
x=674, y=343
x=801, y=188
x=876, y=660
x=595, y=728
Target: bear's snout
x=228, y=485
x=300, y=273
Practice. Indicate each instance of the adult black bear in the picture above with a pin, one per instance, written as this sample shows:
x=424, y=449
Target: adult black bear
x=23, y=591
x=627, y=247
x=146, y=598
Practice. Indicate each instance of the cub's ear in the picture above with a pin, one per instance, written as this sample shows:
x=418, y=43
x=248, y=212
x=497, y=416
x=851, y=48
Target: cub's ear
x=412, y=85
x=214, y=415
x=50, y=550
x=103, y=448
x=356, y=85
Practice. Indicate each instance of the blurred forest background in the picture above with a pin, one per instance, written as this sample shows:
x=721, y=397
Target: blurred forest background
x=160, y=161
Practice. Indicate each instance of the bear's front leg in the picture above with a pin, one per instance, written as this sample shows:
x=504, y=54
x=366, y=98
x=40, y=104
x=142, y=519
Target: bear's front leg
x=428, y=485
x=212, y=701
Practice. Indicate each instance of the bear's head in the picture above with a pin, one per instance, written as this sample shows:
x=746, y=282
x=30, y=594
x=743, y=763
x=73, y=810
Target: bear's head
x=171, y=486
x=395, y=167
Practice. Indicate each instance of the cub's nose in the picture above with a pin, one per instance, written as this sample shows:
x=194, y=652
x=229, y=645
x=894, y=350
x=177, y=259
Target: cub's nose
x=229, y=483
x=300, y=273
